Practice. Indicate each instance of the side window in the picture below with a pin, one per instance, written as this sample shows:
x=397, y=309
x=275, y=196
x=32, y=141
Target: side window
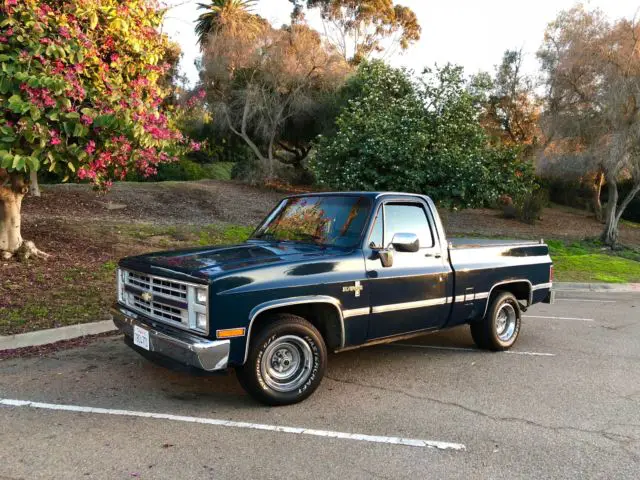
x=377, y=233
x=407, y=218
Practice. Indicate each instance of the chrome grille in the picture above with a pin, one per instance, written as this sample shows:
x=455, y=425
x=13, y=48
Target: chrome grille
x=160, y=311
x=162, y=299
x=168, y=288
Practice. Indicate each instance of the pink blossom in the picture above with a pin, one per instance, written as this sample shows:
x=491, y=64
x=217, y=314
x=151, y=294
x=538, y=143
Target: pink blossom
x=64, y=32
x=9, y=32
x=195, y=146
x=58, y=68
x=115, y=57
x=3, y=39
x=55, y=139
x=91, y=147
x=86, y=119
x=11, y=3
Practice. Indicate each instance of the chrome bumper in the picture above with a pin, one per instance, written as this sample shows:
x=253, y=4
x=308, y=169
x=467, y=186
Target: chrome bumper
x=180, y=346
x=550, y=298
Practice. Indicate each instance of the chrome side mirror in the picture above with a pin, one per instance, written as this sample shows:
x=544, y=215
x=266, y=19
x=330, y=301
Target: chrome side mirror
x=406, y=242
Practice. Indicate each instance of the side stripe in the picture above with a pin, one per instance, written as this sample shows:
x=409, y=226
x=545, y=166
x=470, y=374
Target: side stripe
x=356, y=312
x=409, y=305
x=394, y=307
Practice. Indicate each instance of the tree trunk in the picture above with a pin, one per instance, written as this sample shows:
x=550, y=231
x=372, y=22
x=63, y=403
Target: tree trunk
x=10, y=234
x=610, y=234
x=34, y=187
x=12, y=191
x=598, y=181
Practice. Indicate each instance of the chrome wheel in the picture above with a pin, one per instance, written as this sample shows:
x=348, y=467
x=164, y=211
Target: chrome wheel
x=286, y=363
x=506, y=322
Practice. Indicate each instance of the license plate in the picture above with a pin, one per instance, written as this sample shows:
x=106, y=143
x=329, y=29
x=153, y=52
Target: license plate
x=141, y=337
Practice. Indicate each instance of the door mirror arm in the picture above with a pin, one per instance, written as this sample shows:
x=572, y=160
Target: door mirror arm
x=386, y=256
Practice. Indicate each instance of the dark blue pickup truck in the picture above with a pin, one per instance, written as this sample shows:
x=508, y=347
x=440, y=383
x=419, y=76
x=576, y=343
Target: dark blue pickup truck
x=325, y=272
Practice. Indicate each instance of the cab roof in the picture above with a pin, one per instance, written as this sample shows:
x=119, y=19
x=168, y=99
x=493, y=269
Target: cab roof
x=372, y=195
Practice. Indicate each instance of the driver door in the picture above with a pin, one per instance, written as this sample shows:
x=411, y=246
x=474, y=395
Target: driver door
x=409, y=295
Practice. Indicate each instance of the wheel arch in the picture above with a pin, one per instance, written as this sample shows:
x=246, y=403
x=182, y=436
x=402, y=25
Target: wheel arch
x=522, y=289
x=324, y=312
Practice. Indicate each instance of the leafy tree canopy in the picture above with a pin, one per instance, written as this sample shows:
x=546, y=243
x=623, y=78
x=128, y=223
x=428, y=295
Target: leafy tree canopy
x=79, y=88
x=424, y=135
x=359, y=29
x=81, y=95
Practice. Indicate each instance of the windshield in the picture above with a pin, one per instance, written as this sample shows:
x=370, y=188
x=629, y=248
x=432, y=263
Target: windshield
x=331, y=221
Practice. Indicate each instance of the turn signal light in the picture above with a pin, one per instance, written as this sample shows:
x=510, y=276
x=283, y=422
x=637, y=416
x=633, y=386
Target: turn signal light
x=230, y=333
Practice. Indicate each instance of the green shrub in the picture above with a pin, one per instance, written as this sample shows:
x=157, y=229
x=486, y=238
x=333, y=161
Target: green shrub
x=529, y=205
x=248, y=170
x=187, y=170
x=397, y=133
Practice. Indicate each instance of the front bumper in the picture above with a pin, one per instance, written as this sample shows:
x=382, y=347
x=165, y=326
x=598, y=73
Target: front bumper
x=180, y=346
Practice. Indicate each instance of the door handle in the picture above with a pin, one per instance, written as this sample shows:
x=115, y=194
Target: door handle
x=435, y=255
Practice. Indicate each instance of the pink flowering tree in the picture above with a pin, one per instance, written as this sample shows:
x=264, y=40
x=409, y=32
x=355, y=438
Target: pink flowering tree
x=81, y=95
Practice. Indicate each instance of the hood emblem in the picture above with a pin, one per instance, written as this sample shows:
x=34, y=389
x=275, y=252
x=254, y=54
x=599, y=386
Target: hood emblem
x=357, y=288
x=147, y=297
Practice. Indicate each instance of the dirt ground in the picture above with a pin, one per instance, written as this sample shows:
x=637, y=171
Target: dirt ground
x=87, y=233
x=210, y=201
x=167, y=203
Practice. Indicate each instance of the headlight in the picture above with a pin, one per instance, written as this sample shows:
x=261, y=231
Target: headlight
x=201, y=321
x=201, y=296
x=120, y=280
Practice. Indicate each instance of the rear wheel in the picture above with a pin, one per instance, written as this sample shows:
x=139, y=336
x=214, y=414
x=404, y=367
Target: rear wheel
x=286, y=363
x=500, y=327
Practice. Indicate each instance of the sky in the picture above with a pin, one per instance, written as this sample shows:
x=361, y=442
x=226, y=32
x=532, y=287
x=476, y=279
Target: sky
x=470, y=33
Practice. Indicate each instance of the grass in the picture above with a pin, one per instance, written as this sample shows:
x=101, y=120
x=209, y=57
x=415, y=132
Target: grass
x=589, y=261
x=175, y=237
x=80, y=295
x=84, y=290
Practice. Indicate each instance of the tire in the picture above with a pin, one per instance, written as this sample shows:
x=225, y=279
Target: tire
x=287, y=360
x=500, y=327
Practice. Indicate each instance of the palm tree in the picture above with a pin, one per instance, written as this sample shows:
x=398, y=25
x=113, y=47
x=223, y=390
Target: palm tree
x=217, y=12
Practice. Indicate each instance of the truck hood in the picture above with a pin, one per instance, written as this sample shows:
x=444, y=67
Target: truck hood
x=207, y=263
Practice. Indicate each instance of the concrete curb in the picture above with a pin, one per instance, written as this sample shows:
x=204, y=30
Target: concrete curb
x=596, y=287
x=52, y=335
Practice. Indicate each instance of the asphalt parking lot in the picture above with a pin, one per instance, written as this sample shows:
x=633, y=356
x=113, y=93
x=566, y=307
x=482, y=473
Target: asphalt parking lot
x=565, y=403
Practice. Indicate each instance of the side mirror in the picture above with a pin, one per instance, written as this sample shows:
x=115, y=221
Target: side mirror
x=406, y=242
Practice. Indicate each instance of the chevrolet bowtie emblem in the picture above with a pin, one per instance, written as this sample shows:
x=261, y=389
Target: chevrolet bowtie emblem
x=357, y=288
x=147, y=297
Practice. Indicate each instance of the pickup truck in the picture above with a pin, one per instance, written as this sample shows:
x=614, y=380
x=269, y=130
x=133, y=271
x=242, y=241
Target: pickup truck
x=325, y=272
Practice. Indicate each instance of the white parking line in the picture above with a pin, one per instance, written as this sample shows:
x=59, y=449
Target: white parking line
x=560, y=318
x=460, y=349
x=583, y=300
x=410, y=442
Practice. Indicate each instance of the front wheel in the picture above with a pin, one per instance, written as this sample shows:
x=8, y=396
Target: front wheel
x=500, y=327
x=286, y=363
